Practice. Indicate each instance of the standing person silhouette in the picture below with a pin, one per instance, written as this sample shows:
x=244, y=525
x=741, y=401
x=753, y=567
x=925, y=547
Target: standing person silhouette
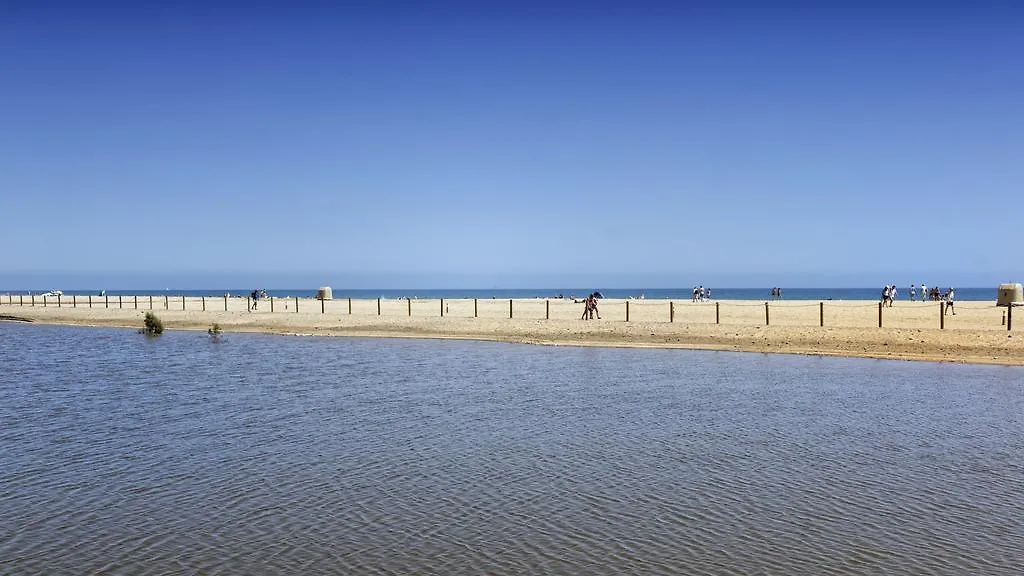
x=587, y=314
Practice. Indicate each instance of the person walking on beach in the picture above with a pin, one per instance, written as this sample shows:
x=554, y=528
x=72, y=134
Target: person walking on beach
x=589, y=305
x=255, y=299
x=949, y=301
x=913, y=294
x=924, y=292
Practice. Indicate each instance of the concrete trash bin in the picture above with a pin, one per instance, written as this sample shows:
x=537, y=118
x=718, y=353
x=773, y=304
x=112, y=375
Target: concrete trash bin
x=1010, y=293
x=324, y=293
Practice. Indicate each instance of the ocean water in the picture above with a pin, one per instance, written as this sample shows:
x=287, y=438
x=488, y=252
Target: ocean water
x=121, y=454
x=970, y=294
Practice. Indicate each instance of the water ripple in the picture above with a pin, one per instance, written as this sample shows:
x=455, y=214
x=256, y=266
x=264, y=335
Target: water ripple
x=126, y=455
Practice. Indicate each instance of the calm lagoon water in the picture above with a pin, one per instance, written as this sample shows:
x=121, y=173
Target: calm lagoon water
x=121, y=454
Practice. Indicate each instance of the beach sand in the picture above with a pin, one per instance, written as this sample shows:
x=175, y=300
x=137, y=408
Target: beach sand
x=911, y=330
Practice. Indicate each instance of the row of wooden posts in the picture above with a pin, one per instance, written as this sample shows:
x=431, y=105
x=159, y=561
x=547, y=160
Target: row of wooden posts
x=547, y=308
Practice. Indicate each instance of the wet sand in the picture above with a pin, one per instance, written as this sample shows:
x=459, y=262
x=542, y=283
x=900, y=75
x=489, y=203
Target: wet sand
x=910, y=330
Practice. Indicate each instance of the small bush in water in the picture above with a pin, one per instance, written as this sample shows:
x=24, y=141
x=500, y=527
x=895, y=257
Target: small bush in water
x=153, y=325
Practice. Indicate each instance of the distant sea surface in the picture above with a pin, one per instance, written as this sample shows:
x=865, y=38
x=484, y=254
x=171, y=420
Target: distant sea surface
x=981, y=294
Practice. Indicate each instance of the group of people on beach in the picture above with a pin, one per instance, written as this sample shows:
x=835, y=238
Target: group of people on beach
x=590, y=306
x=933, y=295
x=255, y=297
x=889, y=294
x=701, y=294
x=776, y=293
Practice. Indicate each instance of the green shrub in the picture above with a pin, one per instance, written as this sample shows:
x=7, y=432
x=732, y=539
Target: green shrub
x=154, y=326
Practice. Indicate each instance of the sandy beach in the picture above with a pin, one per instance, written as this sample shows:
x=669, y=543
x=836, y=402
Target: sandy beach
x=910, y=330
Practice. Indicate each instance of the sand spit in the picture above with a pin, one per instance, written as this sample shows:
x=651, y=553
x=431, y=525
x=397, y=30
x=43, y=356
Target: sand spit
x=911, y=330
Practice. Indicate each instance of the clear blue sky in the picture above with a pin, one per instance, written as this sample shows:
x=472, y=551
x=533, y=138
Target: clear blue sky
x=511, y=145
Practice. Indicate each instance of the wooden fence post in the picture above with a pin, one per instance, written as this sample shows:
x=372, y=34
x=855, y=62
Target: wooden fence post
x=271, y=304
x=58, y=300
x=942, y=315
x=718, y=316
x=151, y=302
x=879, y=314
x=90, y=300
x=225, y=302
x=627, y=310
x=378, y=306
x=442, y=307
x=474, y=307
x=407, y=301
x=74, y=301
x=1009, y=316
x=322, y=300
x=350, y=306
x=183, y=302
x=547, y=309
x=821, y=314
x=33, y=299
x=167, y=302
x=671, y=312
x=296, y=304
x=106, y=301
x=766, y=314
x=120, y=304
x=510, y=308
x=21, y=300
